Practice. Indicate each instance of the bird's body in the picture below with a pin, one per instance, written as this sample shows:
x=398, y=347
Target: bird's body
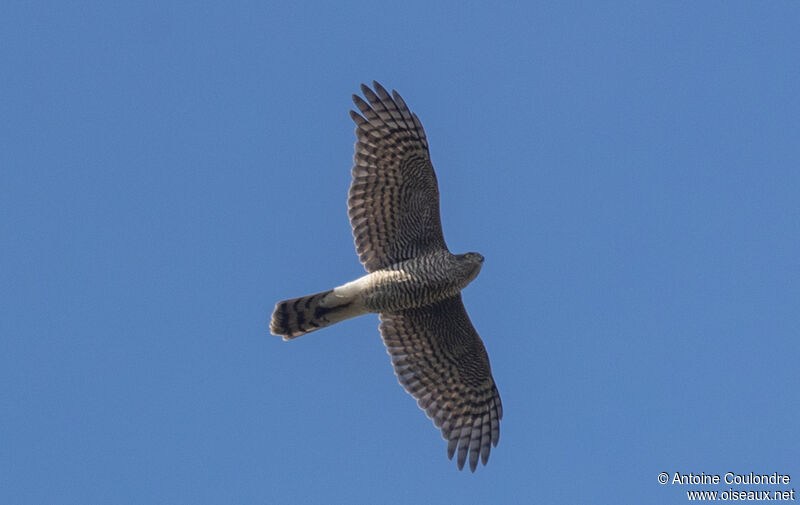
x=420, y=281
x=408, y=284
x=414, y=281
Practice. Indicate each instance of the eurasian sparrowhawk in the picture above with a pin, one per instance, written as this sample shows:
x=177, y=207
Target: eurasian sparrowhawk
x=414, y=281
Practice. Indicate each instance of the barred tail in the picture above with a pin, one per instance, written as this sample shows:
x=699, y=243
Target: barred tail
x=298, y=316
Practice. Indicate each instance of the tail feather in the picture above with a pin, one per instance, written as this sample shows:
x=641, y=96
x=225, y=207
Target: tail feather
x=298, y=316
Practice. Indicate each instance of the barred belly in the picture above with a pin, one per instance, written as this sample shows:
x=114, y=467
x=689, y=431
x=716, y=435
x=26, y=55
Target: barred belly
x=414, y=283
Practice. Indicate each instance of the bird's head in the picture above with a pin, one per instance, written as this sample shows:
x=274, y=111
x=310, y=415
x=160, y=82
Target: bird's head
x=472, y=263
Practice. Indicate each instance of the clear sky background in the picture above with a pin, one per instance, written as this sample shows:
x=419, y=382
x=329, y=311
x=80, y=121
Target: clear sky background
x=170, y=170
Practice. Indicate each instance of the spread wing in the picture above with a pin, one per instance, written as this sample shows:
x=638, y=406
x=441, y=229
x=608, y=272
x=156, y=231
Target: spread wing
x=393, y=201
x=440, y=360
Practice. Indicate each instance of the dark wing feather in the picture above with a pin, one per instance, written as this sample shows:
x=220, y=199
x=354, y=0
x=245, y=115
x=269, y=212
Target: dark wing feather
x=440, y=360
x=393, y=201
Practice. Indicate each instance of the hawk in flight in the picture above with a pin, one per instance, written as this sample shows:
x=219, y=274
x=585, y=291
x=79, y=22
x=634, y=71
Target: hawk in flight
x=414, y=282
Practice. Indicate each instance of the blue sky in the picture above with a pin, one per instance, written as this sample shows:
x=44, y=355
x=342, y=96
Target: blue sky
x=630, y=171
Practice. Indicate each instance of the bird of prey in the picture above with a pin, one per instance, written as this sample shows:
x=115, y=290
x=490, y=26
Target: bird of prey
x=414, y=282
